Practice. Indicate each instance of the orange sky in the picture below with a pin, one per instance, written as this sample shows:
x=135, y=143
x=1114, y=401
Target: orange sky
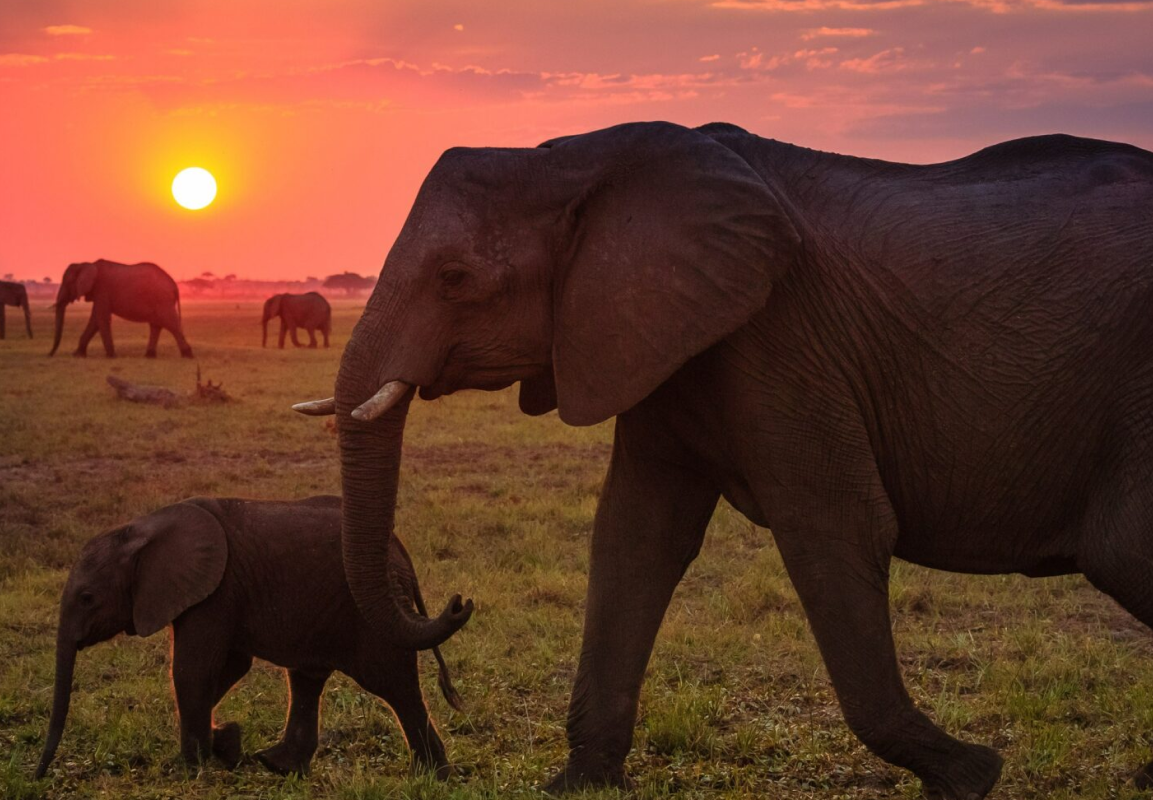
x=319, y=118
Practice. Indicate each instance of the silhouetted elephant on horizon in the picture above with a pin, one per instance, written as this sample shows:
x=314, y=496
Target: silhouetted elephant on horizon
x=309, y=311
x=14, y=294
x=137, y=292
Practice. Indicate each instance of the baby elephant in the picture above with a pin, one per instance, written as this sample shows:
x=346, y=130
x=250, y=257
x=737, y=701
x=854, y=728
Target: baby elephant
x=239, y=579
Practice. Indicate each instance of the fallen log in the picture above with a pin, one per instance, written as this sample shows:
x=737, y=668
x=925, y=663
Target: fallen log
x=204, y=393
x=137, y=393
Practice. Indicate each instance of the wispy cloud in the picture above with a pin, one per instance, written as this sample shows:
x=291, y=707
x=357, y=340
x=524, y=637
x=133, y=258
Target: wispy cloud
x=891, y=60
x=851, y=33
x=993, y=6
x=67, y=30
x=84, y=57
x=20, y=60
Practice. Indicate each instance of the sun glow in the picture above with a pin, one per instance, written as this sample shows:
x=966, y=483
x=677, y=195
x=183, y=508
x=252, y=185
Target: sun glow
x=194, y=188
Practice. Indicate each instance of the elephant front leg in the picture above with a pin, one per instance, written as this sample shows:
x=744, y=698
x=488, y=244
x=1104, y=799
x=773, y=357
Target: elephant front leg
x=86, y=337
x=842, y=581
x=650, y=522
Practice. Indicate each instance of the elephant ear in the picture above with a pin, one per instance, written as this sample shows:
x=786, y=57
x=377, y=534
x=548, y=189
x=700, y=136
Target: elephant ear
x=676, y=243
x=181, y=551
x=85, y=279
x=272, y=307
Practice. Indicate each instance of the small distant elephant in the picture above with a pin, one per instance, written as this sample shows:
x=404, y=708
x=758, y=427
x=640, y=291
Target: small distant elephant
x=137, y=292
x=14, y=294
x=239, y=579
x=309, y=311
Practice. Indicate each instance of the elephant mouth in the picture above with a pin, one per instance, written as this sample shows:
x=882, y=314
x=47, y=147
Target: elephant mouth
x=485, y=380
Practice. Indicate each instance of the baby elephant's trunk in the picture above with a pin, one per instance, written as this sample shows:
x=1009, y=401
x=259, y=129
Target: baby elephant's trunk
x=61, y=697
x=443, y=677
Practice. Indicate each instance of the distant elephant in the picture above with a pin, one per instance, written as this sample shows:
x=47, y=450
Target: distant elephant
x=239, y=579
x=951, y=364
x=14, y=294
x=137, y=292
x=309, y=311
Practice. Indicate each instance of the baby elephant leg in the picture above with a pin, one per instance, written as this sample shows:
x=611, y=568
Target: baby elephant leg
x=201, y=674
x=226, y=736
x=301, y=731
x=397, y=682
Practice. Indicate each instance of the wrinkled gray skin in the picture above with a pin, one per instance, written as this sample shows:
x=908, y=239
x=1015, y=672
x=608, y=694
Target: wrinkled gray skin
x=949, y=364
x=309, y=311
x=14, y=294
x=136, y=292
x=237, y=580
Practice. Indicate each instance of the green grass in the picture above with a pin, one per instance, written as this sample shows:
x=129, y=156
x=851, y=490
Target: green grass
x=499, y=506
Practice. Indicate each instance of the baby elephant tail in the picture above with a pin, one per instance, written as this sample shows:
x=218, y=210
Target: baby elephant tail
x=443, y=678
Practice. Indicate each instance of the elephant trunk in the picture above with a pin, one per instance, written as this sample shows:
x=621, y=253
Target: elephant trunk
x=61, y=304
x=61, y=697
x=370, y=455
x=27, y=315
x=264, y=335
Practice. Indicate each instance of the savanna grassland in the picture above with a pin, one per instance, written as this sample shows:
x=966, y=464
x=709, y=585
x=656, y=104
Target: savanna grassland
x=499, y=506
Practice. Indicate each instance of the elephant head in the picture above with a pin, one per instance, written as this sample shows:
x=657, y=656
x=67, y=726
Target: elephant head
x=135, y=579
x=271, y=309
x=589, y=269
x=78, y=281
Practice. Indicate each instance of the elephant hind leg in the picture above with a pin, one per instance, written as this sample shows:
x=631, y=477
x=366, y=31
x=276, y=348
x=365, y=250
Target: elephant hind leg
x=844, y=588
x=293, y=753
x=396, y=681
x=311, y=338
x=1117, y=553
x=153, y=338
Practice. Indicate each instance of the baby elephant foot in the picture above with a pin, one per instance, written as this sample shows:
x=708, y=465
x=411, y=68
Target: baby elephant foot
x=969, y=776
x=226, y=744
x=284, y=760
x=1143, y=780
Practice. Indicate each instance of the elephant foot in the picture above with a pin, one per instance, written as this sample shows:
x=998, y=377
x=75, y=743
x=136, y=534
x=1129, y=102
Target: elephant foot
x=970, y=775
x=186, y=354
x=226, y=744
x=80, y=354
x=581, y=774
x=442, y=771
x=150, y=354
x=285, y=760
x=1143, y=779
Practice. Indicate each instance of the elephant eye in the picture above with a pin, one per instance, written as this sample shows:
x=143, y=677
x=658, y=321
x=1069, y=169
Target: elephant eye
x=453, y=276
x=457, y=282
x=87, y=598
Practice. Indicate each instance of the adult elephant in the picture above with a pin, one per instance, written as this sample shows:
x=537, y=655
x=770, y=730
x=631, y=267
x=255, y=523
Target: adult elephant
x=951, y=364
x=137, y=292
x=14, y=294
x=309, y=311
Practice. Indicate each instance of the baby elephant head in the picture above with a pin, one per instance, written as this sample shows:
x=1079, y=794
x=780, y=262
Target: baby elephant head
x=133, y=579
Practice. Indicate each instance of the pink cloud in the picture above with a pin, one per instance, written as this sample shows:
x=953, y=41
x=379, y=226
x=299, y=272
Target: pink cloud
x=20, y=60
x=852, y=33
x=67, y=30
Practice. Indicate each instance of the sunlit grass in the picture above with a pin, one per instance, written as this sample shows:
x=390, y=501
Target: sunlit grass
x=499, y=506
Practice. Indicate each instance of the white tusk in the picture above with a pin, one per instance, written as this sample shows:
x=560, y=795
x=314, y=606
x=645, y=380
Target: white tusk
x=382, y=401
x=317, y=408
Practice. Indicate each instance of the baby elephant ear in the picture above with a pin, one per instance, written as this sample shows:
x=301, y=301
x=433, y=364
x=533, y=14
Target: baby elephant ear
x=181, y=551
x=675, y=243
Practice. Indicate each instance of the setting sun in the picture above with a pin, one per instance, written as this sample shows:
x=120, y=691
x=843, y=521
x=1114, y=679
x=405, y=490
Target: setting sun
x=194, y=188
